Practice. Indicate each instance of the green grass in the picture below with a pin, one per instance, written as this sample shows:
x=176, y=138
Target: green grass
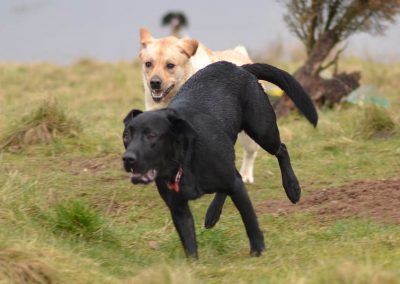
x=68, y=212
x=78, y=220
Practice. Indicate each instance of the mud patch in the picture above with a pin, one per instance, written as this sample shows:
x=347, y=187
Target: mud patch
x=375, y=199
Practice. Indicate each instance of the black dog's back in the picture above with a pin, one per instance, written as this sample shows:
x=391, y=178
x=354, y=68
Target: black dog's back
x=234, y=93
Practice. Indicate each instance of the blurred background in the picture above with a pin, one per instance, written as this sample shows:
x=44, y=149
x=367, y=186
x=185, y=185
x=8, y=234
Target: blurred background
x=63, y=31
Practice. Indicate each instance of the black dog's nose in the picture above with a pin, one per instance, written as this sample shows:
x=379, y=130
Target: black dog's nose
x=155, y=83
x=129, y=158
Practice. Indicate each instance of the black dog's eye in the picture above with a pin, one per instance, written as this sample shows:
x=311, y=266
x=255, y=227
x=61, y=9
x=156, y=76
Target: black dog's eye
x=151, y=136
x=170, y=66
x=148, y=64
x=125, y=138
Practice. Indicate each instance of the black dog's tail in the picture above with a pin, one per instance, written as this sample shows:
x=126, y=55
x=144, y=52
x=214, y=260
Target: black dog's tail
x=287, y=83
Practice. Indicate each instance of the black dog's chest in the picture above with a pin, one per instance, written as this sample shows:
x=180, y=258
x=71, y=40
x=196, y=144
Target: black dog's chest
x=204, y=184
x=211, y=170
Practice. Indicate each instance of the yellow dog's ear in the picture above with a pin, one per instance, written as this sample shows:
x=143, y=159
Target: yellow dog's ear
x=145, y=37
x=189, y=46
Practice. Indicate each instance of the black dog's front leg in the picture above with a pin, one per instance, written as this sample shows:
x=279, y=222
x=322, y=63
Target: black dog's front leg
x=214, y=210
x=183, y=221
x=182, y=218
x=243, y=204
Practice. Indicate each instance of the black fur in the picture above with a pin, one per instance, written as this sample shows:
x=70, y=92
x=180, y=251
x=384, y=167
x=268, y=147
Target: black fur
x=300, y=98
x=197, y=133
x=287, y=83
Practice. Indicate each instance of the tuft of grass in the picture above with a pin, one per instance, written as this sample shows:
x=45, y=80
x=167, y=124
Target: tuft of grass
x=20, y=267
x=216, y=240
x=78, y=220
x=376, y=122
x=42, y=125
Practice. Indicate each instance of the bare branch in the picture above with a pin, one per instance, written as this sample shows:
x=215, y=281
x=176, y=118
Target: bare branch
x=314, y=18
x=333, y=8
x=334, y=61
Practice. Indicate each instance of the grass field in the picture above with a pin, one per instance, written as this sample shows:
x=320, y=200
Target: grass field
x=68, y=213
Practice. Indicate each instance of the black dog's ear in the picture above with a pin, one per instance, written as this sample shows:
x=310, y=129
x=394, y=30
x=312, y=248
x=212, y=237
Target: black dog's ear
x=186, y=136
x=182, y=127
x=133, y=113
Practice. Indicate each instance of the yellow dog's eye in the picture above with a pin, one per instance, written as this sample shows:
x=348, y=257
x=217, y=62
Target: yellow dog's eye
x=170, y=66
x=148, y=64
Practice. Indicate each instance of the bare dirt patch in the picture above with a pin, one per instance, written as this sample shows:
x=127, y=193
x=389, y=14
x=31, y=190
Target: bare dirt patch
x=375, y=199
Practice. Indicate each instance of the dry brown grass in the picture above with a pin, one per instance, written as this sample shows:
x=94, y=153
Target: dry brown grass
x=20, y=267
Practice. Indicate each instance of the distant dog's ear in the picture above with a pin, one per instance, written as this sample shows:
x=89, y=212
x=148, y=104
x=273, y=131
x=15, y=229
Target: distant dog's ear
x=145, y=37
x=133, y=113
x=189, y=46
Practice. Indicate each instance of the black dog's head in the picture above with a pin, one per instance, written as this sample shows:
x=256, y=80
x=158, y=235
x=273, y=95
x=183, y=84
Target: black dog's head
x=155, y=142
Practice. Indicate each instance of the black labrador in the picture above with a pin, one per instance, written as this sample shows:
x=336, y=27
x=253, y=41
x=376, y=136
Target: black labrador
x=188, y=148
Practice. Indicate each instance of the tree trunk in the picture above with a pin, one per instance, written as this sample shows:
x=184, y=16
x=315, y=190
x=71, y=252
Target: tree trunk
x=322, y=91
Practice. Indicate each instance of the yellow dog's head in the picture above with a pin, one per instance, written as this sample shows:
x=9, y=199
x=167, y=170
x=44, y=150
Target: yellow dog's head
x=166, y=63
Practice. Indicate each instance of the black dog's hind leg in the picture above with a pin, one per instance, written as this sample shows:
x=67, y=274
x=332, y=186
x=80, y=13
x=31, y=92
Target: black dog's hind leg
x=182, y=218
x=260, y=125
x=243, y=204
x=289, y=180
x=214, y=210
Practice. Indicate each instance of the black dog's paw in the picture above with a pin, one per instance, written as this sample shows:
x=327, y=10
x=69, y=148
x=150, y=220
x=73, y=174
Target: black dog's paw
x=292, y=189
x=256, y=253
x=212, y=216
x=192, y=256
x=257, y=248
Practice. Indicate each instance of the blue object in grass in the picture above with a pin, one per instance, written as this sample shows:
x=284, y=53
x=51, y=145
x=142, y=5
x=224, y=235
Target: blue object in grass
x=367, y=94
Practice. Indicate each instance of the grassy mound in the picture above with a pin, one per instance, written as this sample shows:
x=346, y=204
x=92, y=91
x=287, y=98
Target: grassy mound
x=41, y=126
x=376, y=122
x=20, y=267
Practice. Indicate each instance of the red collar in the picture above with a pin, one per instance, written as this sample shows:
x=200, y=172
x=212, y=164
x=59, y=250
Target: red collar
x=175, y=185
